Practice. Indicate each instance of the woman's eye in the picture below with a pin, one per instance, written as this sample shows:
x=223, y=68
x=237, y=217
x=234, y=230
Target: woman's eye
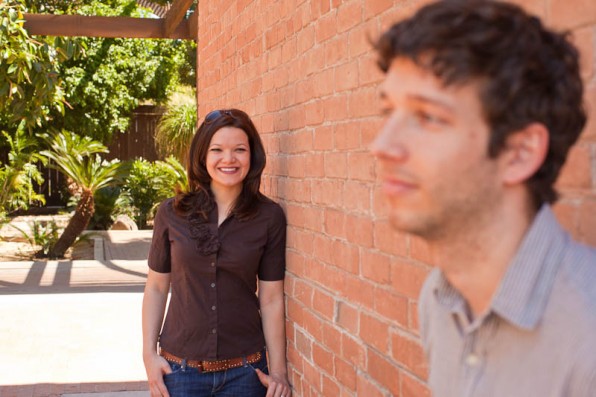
x=215, y=149
x=241, y=149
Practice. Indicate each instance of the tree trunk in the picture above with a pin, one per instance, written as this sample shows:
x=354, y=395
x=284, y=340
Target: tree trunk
x=77, y=225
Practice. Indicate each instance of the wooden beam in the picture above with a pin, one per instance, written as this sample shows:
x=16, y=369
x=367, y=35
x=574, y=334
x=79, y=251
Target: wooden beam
x=193, y=25
x=175, y=15
x=94, y=26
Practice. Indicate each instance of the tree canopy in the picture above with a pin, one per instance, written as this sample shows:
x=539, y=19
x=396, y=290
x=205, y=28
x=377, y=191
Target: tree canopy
x=86, y=85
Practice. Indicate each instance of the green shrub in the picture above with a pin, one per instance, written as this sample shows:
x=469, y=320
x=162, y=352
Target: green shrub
x=148, y=184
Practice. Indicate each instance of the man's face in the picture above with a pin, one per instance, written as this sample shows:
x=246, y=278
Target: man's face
x=432, y=153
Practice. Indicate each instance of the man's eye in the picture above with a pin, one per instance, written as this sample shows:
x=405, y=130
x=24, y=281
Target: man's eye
x=385, y=112
x=429, y=118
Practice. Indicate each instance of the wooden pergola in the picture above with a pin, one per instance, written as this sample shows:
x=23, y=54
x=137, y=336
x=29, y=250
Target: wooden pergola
x=172, y=26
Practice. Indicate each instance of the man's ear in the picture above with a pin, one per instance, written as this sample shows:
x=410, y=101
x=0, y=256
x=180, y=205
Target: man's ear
x=524, y=153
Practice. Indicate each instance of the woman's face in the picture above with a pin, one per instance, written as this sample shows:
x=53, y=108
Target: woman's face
x=228, y=158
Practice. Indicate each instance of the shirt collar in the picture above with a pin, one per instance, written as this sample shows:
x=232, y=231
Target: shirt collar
x=523, y=293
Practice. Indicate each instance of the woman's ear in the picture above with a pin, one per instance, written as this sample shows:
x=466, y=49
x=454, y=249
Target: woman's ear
x=524, y=153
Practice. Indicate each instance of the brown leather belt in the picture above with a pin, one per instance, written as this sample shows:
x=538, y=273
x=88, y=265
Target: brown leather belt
x=216, y=365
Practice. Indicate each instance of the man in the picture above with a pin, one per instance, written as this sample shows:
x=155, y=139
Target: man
x=482, y=104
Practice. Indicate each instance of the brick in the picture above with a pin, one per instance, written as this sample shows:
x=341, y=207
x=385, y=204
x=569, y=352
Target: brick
x=330, y=386
x=567, y=214
x=326, y=27
x=585, y=40
x=420, y=249
x=407, y=278
x=345, y=372
x=323, y=359
x=587, y=221
x=303, y=292
x=303, y=344
x=347, y=136
x=364, y=102
x=323, y=136
x=383, y=371
x=336, y=165
x=589, y=132
x=376, y=266
x=327, y=192
x=346, y=76
x=374, y=332
x=389, y=240
x=577, y=171
x=360, y=230
x=347, y=256
x=412, y=387
x=324, y=248
x=369, y=72
x=331, y=337
x=562, y=15
x=357, y=197
x=414, y=319
x=375, y=7
x=365, y=387
x=314, y=115
x=358, y=291
x=353, y=350
x=392, y=306
x=294, y=189
x=347, y=317
x=361, y=166
x=349, y=15
x=315, y=165
x=324, y=304
x=336, y=50
x=336, y=108
x=408, y=352
x=324, y=82
x=335, y=223
x=312, y=375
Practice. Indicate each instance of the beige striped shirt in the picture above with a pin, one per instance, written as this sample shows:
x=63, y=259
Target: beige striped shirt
x=539, y=336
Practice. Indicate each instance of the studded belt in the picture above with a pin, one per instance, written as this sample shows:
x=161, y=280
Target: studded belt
x=214, y=365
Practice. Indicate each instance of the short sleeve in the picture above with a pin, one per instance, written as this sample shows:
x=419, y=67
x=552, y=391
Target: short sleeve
x=159, y=253
x=273, y=261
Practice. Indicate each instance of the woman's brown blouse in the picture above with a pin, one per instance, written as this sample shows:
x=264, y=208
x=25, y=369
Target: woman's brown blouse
x=214, y=311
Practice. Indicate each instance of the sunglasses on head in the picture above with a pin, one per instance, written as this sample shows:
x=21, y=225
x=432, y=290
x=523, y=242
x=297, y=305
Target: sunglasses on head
x=216, y=114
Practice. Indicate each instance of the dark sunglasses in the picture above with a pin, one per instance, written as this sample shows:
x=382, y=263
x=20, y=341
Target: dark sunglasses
x=216, y=114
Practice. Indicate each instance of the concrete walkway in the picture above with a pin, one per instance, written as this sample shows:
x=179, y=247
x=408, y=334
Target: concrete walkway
x=72, y=327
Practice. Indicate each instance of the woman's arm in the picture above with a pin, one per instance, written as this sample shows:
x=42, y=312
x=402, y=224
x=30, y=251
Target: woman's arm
x=271, y=301
x=154, y=305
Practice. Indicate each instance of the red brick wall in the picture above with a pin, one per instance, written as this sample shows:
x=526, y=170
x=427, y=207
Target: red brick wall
x=305, y=71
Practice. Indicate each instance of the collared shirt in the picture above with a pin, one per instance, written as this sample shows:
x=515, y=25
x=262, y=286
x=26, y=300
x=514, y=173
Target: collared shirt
x=538, y=338
x=214, y=311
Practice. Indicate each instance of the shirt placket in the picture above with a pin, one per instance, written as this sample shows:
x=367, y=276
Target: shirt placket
x=213, y=309
x=473, y=358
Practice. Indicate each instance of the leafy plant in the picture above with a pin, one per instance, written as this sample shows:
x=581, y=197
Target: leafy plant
x=177, y=125
x=30, y=90
x=43, y=235
x=77, y=158
x=19, y=174
x=148, y=184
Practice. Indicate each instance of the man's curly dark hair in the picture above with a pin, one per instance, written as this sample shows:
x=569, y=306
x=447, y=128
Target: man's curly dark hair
x=527, y=73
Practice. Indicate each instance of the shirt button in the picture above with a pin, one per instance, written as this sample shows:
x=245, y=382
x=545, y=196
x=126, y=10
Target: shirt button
x=213, y=331
x=212, y=264
x=212, y=285
x=213, y=307
x=472, y=360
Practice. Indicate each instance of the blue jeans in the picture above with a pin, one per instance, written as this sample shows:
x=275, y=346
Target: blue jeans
x=234, y=382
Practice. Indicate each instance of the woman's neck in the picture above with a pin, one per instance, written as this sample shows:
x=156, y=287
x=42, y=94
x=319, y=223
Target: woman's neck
x=225, y=197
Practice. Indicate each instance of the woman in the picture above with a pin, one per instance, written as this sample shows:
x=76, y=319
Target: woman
x=210, y=246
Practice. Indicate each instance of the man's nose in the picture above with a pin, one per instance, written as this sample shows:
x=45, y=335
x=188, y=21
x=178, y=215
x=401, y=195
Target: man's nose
x=389, y=144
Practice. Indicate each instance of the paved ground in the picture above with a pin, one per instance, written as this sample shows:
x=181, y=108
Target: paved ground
x=72, y=327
